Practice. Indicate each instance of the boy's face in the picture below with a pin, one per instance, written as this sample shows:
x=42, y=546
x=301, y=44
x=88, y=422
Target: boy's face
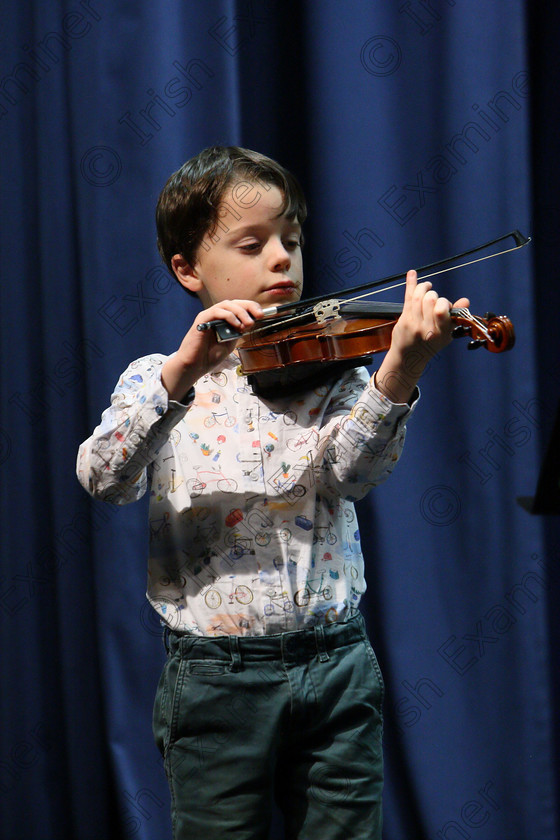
x=253, y=254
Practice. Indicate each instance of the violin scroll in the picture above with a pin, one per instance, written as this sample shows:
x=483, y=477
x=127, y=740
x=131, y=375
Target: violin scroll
x=493, y=332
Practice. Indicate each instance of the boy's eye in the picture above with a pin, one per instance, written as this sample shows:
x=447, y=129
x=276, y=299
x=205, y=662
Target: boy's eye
x=256, y=245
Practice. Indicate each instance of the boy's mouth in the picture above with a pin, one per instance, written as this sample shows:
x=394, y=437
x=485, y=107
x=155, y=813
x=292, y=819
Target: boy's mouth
x=282, y=288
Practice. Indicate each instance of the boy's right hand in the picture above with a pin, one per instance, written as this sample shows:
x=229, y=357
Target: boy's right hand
x=200, y=351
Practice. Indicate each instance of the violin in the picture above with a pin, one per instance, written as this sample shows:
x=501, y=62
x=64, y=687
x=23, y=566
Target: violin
x=303, y=344
x=344, y=335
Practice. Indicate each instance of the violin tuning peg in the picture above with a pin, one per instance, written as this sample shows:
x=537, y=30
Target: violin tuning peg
x=476, y=343
x=489, y=315
x=459, y=331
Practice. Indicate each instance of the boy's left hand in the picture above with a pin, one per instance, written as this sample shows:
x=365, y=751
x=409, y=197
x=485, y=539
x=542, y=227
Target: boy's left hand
x=424, y=328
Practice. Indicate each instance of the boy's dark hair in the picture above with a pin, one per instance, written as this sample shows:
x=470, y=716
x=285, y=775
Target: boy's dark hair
x=188, y=205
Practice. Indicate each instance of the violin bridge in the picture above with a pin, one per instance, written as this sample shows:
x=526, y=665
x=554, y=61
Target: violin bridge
x=327, y=310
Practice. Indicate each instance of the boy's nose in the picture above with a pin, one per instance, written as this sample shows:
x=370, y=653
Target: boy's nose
x=281, y=259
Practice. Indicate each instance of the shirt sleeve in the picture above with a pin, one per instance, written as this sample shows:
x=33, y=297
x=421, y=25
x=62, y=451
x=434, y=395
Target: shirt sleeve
x=113, y=463
x=362, y=437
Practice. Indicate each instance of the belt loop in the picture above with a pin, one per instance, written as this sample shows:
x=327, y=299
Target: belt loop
x=235, y=653
x=320, y=642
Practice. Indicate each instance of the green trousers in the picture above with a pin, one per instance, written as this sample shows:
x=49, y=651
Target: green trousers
x=295, y=716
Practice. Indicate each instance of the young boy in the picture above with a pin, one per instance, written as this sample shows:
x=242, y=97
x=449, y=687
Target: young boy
x=271, y=687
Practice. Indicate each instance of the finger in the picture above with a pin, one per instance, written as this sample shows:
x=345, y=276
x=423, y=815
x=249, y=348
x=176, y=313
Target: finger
x=254, y=308
x=238, y=313
x=218, y=312
x=442, y=308
x=411, y=282
x=462, y=303
x=422, y=302
x=423, y=289
x=415, y=291
x=248, y=311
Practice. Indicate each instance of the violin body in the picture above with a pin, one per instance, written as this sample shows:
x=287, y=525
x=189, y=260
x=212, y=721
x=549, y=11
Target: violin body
x=349, y=338
x=356, y=335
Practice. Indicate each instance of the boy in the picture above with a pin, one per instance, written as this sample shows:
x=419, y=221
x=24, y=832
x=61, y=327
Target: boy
x=270, y=686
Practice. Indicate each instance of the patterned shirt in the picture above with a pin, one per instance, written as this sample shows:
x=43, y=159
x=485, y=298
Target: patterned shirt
x=252, y=523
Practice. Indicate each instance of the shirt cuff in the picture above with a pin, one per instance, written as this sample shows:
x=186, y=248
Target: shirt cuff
x=171, y=411
x=377, y=413
x=186, y=402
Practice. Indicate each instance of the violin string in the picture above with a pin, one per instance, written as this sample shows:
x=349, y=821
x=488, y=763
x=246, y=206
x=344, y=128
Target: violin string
x=290, y=319
x=266, y=325
x=474, y=319
x=479, y=322
x=464, y=312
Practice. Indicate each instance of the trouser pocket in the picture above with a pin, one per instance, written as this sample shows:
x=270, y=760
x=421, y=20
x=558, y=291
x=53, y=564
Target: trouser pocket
x=166, y=703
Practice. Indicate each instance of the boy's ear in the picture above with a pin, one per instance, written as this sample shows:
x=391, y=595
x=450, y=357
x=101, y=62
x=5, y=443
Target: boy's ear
x=186, y=274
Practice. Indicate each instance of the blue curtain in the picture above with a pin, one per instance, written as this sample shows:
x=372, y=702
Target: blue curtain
x=416, y=133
